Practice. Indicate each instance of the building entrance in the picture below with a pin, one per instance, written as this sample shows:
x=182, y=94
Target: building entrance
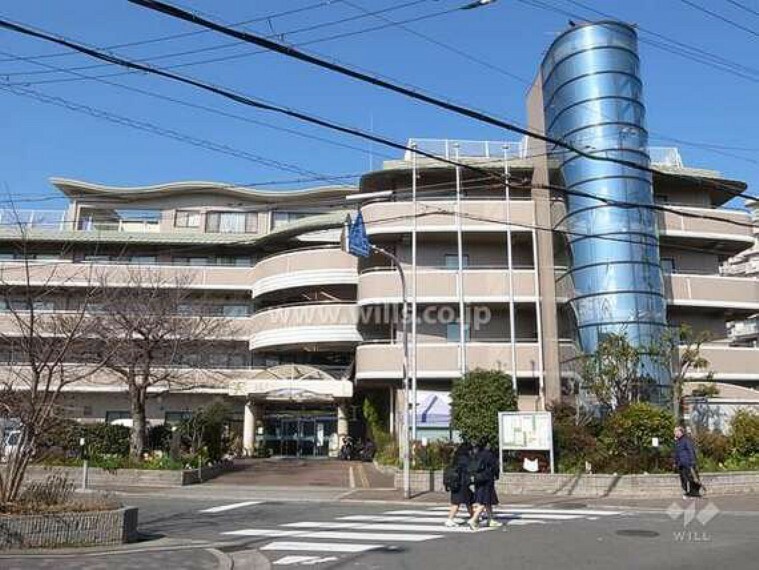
x=300, y=433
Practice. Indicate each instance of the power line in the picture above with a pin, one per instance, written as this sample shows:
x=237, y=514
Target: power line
x=363, y=77
x=743, y=7
x=281, y=36
x=161, y=131
x=190, y=34
x=443, y=45
x=720, y=17
x=198, y=106
x=327, y=124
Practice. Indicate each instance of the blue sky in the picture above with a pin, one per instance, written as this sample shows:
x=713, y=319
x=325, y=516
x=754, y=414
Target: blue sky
x=685, y=100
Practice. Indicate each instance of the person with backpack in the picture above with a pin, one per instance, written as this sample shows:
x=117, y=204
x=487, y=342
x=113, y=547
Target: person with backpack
x=456, y=481
x=483, y=472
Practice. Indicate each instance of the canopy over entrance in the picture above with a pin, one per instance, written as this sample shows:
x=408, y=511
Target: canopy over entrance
x=292, y=383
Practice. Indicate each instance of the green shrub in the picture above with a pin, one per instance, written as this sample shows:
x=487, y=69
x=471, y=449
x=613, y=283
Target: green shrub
x=574, y=436
x=626, y=439
x=435, y=455
x=159, y=438
x=476, y=400
x=712, y=446
x=744, y=433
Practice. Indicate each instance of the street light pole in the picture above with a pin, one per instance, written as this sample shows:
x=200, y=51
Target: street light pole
x=406, y=444
x=404, y=436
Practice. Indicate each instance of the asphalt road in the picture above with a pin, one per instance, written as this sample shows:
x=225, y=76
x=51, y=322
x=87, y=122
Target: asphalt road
x=198, y=530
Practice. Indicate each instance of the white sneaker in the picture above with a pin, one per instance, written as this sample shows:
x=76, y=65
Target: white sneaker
x=473, y=524
x=492, y=523
x=451, y=523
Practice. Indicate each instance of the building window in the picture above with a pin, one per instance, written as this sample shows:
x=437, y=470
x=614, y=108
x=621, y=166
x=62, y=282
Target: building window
x=279, y=219
x=187, y=219
x=661, y=199
x=235, y=310
x=177, y=417
x=452, y=260
x=113, y=415
x=232, y=222
x=452, y=332
x=668, y=265
x=143, y=259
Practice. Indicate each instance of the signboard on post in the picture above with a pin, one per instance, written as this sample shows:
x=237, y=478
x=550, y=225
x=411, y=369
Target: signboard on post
x=525, y=431
x=356, y=242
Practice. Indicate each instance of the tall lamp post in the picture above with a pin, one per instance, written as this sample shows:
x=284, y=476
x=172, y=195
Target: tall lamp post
x=356, y=242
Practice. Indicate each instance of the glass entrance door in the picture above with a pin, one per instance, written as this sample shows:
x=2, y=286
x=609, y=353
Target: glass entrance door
x=300, y=433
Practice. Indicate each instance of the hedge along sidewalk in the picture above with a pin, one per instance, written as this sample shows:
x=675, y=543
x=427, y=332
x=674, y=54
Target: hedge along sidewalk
x=56, y=530
x=597, y=485
x=98, y=477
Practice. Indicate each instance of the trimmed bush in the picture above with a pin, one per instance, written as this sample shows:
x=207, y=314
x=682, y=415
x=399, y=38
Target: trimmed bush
x=744, y=433
x=712, y=446
x=626, y=439
x=476, y=400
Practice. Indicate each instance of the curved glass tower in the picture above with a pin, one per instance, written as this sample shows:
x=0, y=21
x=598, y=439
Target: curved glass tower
x=593, y=100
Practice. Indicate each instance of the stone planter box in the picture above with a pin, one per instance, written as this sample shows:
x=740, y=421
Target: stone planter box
x=562, y=484
x=98, y=477
x=68, y=529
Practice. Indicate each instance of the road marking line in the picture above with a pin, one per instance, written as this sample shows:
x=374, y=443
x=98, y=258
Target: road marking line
x=581, y=512
x=351, y=478
x=377, y=526
x=272, y=532
x=370, y=536
x=287, y=560
x=362, y=476
x=319, y=546
x=434, y=519
x=223, y=508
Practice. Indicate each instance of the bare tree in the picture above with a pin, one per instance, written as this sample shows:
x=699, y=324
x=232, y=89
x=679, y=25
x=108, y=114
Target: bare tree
x=152, y=342
x=613, y=374
x=45, y=350
x=680, y=352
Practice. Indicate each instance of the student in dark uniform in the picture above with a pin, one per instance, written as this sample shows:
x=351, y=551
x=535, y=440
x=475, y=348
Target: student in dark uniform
x=484, y=472
x=456, y=480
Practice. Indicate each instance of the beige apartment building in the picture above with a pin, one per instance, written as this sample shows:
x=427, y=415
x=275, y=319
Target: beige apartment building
x=317, y=330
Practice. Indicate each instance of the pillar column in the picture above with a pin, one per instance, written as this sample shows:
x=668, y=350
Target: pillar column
x=249, y=429
x=342, y=420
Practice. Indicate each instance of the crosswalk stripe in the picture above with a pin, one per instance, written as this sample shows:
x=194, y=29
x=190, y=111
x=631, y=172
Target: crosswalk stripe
x=319, y=546
x=440, y=520
x=553, y=515
x=377, y=526
x=305, y=560
x=222, y=508
x=528, y=509
x=334, y=535
x=271, y=532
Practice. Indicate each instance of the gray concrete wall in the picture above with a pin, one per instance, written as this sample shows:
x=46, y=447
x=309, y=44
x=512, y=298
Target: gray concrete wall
x=562, y=484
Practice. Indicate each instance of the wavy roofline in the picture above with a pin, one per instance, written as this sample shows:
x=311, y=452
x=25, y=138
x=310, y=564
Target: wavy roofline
x=79, y=188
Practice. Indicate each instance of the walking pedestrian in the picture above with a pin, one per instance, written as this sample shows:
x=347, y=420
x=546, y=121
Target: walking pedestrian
x=484, y=472
x=685, y=462
x=456, y=481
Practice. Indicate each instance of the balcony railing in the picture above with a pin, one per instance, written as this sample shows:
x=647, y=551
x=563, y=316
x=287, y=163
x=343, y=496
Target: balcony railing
x=57, y=220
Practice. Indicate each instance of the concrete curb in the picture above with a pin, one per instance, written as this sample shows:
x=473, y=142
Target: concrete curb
x=158, y=545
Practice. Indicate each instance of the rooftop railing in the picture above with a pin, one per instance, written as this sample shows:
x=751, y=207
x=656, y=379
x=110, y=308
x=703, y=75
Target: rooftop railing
x=448, y=148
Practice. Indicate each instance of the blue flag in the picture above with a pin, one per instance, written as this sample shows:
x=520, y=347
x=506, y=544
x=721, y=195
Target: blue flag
x=358, y=242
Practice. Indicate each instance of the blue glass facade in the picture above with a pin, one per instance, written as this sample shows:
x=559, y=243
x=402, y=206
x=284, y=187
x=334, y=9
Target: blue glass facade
x=593, y=100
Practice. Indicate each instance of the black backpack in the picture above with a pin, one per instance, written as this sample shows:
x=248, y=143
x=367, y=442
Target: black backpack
x=452, y=478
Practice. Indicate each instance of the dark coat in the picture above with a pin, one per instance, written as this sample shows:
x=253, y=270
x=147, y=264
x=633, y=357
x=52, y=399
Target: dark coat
x=685, y=452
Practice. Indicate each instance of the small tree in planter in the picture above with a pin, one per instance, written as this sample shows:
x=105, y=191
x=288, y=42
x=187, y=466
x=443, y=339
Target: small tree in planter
x=614, y=374
x=476, y=400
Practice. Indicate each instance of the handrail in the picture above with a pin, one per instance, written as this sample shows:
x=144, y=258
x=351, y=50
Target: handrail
x=302, y=304
x=443, y=341
x=443, y=268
